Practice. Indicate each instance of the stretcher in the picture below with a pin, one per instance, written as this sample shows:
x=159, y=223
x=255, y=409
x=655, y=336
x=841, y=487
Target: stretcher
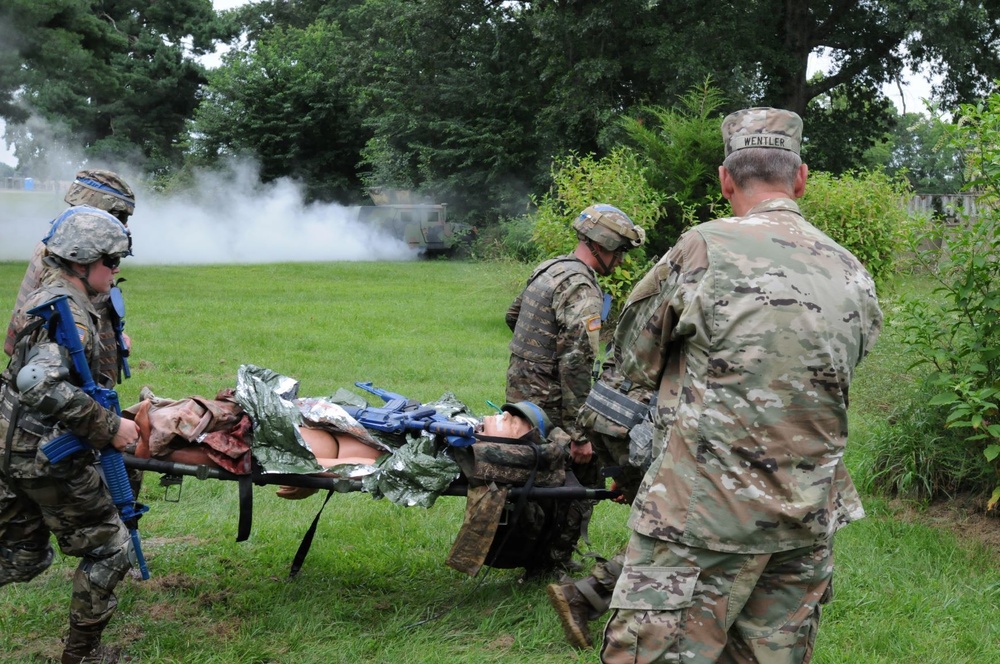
x=172, y=474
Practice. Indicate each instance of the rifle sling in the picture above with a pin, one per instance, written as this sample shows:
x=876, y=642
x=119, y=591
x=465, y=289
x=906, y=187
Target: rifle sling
x=615, y=406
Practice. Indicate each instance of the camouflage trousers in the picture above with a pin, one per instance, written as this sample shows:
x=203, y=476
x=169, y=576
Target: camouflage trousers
x=679, y=604
x=76, y=507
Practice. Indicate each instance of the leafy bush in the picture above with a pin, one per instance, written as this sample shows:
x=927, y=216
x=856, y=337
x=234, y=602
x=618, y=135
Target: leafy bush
x=919, y=457
x=957, y=337
x=680, y=150
x=617, y=180
x=510, y=239
x=864, y=212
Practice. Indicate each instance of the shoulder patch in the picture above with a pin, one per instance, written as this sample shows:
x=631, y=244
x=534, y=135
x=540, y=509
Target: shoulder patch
x=82, y=329
x=594, y=324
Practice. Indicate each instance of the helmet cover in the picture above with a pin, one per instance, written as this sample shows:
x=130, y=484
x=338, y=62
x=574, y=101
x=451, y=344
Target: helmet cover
x=609, y=227
x=83, y=234
x=101, y=189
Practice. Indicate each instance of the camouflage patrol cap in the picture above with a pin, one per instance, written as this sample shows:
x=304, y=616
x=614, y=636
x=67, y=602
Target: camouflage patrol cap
x=101, y=189
x=762, y=127
x=84, y=234
x=532, y=413
x=609, y=227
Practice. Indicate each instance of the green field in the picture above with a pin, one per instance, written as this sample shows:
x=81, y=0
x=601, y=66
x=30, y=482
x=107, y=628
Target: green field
x=905, y=592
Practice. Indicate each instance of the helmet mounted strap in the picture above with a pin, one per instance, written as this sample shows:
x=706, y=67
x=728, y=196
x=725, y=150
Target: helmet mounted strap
x=597, y=257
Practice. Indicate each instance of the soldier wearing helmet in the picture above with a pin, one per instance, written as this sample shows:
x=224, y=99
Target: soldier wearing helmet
x=556, y=321
x=106, y=191
x=41, y=399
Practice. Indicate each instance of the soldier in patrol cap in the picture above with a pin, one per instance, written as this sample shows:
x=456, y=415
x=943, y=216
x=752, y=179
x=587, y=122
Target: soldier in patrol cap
x=749, y=330
x=556, y=322
x=42, y=399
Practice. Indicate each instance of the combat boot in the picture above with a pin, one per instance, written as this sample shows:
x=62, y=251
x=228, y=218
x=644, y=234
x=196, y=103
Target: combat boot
x=83, y=646
x=574, y=611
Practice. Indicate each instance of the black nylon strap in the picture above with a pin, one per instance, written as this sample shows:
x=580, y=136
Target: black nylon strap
x=246, y=508
x=307, y=540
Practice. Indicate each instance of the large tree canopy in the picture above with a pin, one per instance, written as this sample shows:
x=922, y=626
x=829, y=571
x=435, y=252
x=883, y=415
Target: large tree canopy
x=287, y=102
x=466, y=100
x=115, y=77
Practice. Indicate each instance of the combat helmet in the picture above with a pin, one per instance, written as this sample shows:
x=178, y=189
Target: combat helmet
x=532, y=413
x=102, y=189
x=609, y=227
x=84, y=234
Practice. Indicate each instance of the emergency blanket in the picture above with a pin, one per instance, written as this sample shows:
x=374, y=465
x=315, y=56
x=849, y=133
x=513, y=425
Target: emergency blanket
x=259, y=421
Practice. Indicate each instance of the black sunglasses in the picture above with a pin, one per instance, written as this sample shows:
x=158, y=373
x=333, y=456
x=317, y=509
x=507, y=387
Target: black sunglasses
x=111, y=262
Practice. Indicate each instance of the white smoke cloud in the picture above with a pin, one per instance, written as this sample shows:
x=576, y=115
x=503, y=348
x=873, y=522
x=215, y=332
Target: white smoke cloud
x=226, y=217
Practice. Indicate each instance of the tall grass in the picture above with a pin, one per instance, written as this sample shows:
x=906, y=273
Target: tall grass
x=905, y=592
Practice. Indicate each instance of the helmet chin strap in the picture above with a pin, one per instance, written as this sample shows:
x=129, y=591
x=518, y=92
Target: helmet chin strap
x=85, y=277
x=597, y=256
x=91, y=292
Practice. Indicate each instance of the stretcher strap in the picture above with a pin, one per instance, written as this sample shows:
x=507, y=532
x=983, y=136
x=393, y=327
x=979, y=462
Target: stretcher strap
x=246, y=508
x=300, y=555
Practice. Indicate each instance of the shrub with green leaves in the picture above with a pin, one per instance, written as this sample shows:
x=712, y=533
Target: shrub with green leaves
x=918, y=456
x=680, y=150
x=956, y=336
x=864, y=212
x=580, y=181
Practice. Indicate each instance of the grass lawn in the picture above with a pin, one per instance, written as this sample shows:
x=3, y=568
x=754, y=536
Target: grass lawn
x=905, y=592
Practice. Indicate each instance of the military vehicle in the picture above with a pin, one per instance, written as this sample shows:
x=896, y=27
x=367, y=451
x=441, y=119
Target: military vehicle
x=423, y=226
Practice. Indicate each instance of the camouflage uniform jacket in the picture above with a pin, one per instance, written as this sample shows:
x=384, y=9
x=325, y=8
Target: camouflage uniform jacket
x=750, y=328
x=56, y=404
x=556, y=322
x=38, y=273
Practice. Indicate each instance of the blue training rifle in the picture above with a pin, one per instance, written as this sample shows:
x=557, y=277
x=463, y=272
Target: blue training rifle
x=62, y=328
x=400, y=415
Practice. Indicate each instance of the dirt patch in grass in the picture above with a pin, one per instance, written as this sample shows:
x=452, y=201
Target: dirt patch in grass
x=965, y=516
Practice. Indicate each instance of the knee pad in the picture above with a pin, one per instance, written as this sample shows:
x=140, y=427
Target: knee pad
x=24, y=562
x=107, y=564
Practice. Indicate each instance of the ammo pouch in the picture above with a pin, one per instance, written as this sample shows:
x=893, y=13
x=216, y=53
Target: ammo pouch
x=27, y=420
x=615, y=406
x=640, y=445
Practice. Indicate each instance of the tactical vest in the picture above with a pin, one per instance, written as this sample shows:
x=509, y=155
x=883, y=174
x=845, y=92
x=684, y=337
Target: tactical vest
x=26, y=420
x=536, y=329
x=109, y=355
x=32, y=281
